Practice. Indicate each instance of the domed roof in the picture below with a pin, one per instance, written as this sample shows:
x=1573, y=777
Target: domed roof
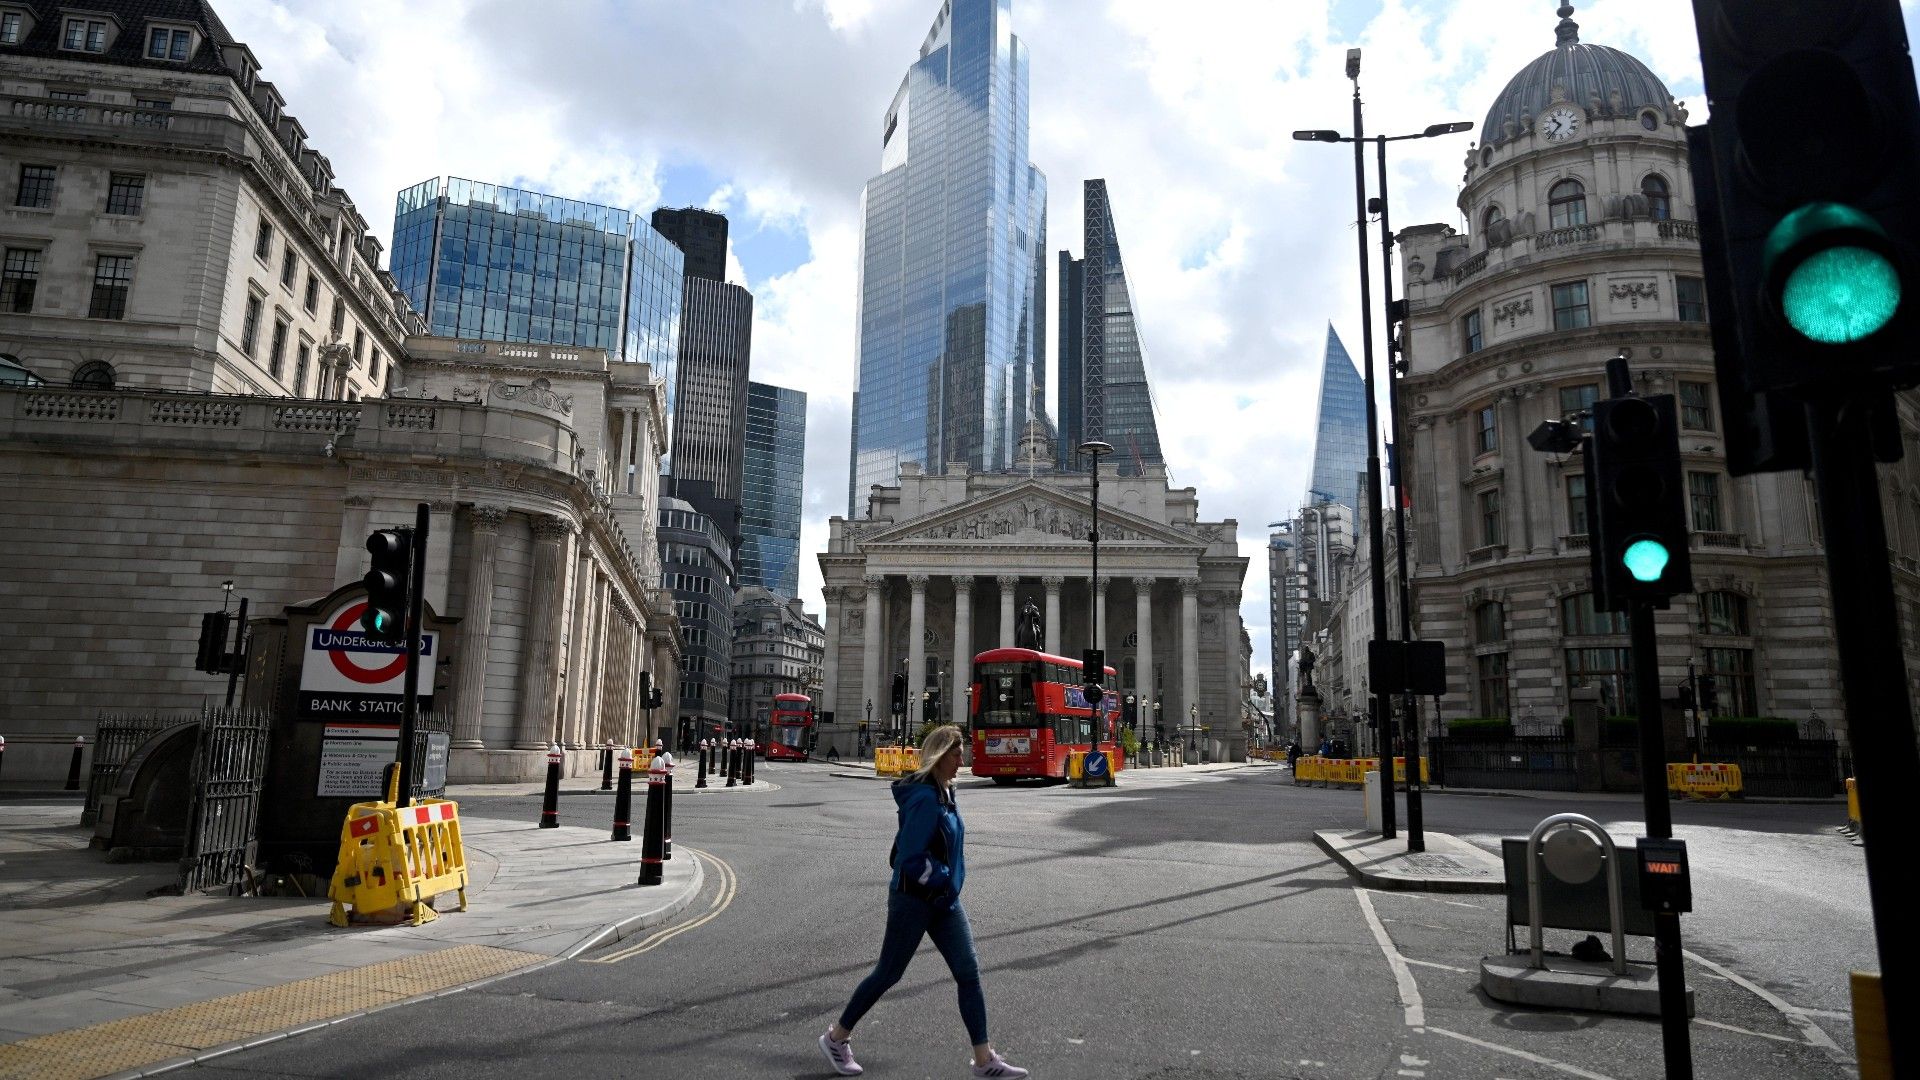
x=1587, y=75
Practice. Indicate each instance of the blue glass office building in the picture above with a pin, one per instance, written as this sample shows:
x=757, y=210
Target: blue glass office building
x=1104, y=393
x=772, y=488
x=502, y=264
x=1340, y=436
x=952, y=324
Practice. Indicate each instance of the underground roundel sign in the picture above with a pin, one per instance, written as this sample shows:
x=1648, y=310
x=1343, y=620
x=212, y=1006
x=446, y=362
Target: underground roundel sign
x=344, y=673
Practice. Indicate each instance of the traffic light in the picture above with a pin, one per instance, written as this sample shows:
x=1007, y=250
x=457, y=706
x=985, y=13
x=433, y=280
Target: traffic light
x=899, y=694
x=1686, y=696
x=212, y=655
x=1812, y=156
x=1709, y=694
x=1642, y=528
x=386, y=616
x=646, y=689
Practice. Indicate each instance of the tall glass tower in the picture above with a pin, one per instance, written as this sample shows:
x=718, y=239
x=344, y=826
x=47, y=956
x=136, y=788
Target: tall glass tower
x=1340, y=437
x=1104, y=392
x=952, y=325
x=771, y=490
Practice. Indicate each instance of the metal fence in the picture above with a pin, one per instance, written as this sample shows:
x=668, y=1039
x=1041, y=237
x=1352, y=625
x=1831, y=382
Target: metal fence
x=1543, y=764
x=229, y=763
x=1802, y=769
x=115, y=737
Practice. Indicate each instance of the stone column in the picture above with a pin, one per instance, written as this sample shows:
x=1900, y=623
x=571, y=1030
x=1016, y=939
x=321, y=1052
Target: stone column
x=599, y=674
x=1009, y=588
x=1100, y=614
x=830, y=660
x=916, y=646
x=476, y=629
x=1143, y=626
x=1190, y=649
x=539, y=658
x=870, y=671
x=962, y=647
x=1053, y=584
x=586, y=596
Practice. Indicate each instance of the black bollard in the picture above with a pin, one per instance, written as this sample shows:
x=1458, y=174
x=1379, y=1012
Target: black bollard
x=652, y=871
x=73, y=770
x=666, y=814
x=3, y=753
x=700, y=778
x=606, y=767
x=623, y=797
x=550, y=805
x=733, y=762
x=753, y=760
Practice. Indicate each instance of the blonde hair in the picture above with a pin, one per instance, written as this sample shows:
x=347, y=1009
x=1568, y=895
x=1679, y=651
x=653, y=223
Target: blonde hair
x=939, y=742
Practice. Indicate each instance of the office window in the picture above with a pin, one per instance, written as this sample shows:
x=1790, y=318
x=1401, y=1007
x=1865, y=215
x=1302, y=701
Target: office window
x=312, y=300
x=1570, y=306
x=1690, y=297
x=1567, y=204
x=1489, y=502
x=126, y=193
x=154, y=105
x=250, y=326
x=165, y=43
x=359, y=344
x=277, y=351
x=1577, y=505
x=1493, y=683
x=36, y=187
x=373, y=369
x=1696, y=411
x=1490, y=623
x=302, y=356
x=85, y=35
x=1703, y=495
x=1487, y=437
x=339, y=317
x=1492, y=217
x=1471, y=340
x=19, y=280
x=1724, y=613
x=112, y=278
x=1579, y=618
x=10, y=27
x=289, y=269
x=1609, y=669
x=1579, y=399
x=94, y=375
x=1732, y=671
x=263, y=240
x=1659, y=202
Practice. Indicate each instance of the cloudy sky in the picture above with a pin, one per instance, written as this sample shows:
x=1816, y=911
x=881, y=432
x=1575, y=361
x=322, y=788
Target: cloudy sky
x=1238, y=240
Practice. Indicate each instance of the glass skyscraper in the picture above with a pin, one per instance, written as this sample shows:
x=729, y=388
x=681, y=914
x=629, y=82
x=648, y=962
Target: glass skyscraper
x=1104, y=393
x=1340, y=437
x=952, y=326
x=502, y=264
x=771, y=490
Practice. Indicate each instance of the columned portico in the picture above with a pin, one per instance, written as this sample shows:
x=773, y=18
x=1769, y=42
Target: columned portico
x=1008, y=583
x=962, y=647
x=916, y=644
x=870, y=662
x=1143, y=652
x=1100, y=613
x=484, y=523
x=540, y=658
x=1053, y=582
x=1190, y=649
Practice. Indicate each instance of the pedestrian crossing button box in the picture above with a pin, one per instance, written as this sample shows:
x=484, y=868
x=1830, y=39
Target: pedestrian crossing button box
x=1665, y=884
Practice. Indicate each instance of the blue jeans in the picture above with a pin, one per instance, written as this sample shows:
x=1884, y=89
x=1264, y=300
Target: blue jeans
x=908, y=920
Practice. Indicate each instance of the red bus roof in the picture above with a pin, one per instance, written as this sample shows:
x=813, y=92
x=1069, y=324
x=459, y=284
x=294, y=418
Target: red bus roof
x=793, y=697
x=1014, y=656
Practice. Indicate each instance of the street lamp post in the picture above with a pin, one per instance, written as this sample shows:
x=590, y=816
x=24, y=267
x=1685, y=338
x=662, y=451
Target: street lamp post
x=1376, y=530
x=1096, y=450
x=1193, y=729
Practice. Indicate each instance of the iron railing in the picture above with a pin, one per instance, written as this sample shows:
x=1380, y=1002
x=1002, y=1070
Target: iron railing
x=229, y=763
x=115, y=737
x=1542, y=764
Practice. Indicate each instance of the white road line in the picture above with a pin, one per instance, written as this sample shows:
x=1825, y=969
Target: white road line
x=1745, y=1031
x=1828, y=1014
x=1415, y=1012
x=1572, y=1070
x=1813, y=1032
x=728, y=888
x=1431, y=964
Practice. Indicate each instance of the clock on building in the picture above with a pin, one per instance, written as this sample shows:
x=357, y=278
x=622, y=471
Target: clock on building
x=1560, y=122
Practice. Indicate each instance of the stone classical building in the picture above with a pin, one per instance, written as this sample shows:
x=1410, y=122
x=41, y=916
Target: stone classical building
x=1582, y=243
x=937, y=570
x=166, y=225
x=128, y=508
x=777, y=649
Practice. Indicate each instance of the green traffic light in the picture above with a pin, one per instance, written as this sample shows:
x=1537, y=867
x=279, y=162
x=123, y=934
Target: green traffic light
x=1840, y=289
x=382, y=622
x=1646, y=560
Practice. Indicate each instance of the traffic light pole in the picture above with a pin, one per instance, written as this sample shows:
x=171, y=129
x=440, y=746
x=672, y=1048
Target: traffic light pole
x=1675, y=1039
x=1693, y=698
x=1416, y=833
x=1873, y=679
x=410, y=688
x=239, y=658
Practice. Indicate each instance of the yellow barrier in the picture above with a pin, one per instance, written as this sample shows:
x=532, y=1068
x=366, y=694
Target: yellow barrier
x=886, y=761
x=1712, y=780
x=1076, y=765
x=1853, y=805
x=642, y=758
x=392, y=857
x=1351, y=771
x=910, y=761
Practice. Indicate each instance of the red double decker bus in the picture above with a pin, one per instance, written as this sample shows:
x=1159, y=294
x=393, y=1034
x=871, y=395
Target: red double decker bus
x=1030, y=711
x=790, y=728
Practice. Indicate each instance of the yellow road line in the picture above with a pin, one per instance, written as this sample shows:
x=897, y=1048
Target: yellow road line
x=729, y=888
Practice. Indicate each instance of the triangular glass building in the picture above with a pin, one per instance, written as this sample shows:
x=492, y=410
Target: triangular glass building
x=1340, y=434
x=1103, y=391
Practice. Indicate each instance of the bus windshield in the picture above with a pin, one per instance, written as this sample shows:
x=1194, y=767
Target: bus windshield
x=1006, y=691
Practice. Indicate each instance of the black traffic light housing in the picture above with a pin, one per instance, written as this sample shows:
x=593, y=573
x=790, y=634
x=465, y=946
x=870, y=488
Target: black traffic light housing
x=212, y=656
x=646, y=689
x=1809, y=228
x=1641, y=532
x=1686, y=696
x=899, y=694
x=1709, y=694
x=385, y=618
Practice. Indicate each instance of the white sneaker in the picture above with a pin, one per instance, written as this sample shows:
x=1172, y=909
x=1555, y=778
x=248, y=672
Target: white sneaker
x=998, y=1068
x=840, y=1056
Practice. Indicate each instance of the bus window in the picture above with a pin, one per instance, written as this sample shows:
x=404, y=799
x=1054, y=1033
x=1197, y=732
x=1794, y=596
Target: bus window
x=1007, y=690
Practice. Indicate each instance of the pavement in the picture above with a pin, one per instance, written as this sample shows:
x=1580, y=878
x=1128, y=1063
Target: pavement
x=97, y=978
x=1448, y=864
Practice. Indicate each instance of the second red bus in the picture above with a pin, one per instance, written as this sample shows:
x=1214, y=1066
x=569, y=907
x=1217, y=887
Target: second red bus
x=1029, y=712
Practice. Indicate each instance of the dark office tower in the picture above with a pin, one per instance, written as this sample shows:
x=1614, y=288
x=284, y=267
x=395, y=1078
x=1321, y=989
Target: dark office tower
x=710, y=396
x=1107, y=364
x=952, y=330
x=1069, y=406
x=502, y=264
x=701, y=235
x=1340, y=433
x=771, y=488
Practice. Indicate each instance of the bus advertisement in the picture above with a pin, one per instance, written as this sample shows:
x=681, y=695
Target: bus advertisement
x=790, y=728
x=1030, y=710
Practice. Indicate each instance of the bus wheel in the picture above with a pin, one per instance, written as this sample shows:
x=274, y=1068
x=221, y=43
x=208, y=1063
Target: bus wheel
x=1003, y=781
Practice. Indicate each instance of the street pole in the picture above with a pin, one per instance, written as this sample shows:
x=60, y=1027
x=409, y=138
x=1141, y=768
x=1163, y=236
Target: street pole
x=1693, y=692
x=410, y=687
x=1376, y=533
x=1416, y=834
x=239, y=658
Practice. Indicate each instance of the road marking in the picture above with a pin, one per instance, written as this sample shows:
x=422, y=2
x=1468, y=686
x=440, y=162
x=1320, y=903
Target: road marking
x=729, y=887
x=1572, y=1070
x=1415, y=1012
x=1829, y=1014
x=1431, y=964
x=1745, y=1031
x=1813, y=1032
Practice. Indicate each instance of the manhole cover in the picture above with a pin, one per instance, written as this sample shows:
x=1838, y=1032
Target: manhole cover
x=1427, y=862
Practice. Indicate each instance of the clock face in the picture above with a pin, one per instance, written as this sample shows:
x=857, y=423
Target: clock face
x=1560, y=123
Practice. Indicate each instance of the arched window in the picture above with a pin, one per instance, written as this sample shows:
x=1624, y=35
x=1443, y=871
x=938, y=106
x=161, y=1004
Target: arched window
x=1658, y=198
x=93, y=375
x=1567, y=204
x=1492, y=217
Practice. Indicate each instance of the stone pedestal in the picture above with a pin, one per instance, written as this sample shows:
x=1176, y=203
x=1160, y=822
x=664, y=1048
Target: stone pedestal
x=1306, y=711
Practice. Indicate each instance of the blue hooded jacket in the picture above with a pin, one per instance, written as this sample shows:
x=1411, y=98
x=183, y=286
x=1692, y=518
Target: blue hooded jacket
x=925, y=810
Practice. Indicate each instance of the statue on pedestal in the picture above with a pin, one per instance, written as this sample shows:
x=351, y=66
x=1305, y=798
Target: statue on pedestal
x=1029, y=632
x=1305, y=667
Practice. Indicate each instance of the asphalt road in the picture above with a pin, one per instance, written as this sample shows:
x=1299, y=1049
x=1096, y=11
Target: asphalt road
x=1181, y=925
